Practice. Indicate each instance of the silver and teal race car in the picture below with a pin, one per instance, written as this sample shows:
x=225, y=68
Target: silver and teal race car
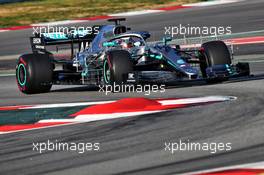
x=115, y=54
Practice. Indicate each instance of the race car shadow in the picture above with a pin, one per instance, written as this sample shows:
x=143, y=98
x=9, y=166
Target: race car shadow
x=169, y=85
x=176, y=84
x=77, y=89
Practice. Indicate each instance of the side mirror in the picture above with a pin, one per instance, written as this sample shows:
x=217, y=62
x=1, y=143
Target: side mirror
x=109, y=44
x=166, y=39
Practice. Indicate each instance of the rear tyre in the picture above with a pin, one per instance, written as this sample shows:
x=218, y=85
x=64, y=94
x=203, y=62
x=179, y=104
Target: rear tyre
x=214, y=53
x=34, y=73
x=116, y=67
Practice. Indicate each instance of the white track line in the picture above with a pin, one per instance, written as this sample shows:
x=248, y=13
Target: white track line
x=57, y=105
x=7, y=75
x=60, y=105
x=55, y=23
x=197, y=100
x=37, y=128
x=257, y=165
x=210, y=3
x=134, y=13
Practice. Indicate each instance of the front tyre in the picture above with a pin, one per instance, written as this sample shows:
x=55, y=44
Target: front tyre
x=34, y=73
x=214, y=53
x=116, y=67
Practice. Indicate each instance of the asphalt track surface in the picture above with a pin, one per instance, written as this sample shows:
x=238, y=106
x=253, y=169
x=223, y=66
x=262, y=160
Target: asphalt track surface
x=135, y=145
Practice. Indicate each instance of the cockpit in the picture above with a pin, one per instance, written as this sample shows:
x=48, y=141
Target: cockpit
x=128, y=42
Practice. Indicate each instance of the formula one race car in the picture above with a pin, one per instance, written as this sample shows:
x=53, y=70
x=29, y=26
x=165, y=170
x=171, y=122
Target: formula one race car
x=110, y=54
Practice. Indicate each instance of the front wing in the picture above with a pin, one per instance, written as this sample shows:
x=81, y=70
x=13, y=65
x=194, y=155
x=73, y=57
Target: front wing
x=217, y=72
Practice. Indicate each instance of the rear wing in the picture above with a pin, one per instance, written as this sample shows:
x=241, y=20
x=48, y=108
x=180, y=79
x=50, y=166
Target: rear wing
x=81, y=37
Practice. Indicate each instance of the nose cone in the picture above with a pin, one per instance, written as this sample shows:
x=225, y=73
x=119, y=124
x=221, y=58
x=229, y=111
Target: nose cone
x=191, y=72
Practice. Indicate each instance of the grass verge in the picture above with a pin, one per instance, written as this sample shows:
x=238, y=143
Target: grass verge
x=35, y=11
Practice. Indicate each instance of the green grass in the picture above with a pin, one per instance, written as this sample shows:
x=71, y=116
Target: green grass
x=35, y=11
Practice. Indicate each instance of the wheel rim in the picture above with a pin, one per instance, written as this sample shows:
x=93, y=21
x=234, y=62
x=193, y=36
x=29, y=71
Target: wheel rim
x=107, y=72
x=21, y=74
